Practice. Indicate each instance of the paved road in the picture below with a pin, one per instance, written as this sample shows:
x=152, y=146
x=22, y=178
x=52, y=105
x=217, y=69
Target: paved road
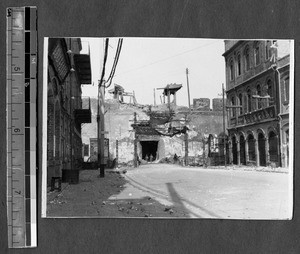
x=215, y=193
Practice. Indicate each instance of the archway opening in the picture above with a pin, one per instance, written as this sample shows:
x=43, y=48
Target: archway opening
x=273, y=147
x=234, y=151
x=251, y=148
x=149, y=150
x=242, y=150
x=262, y=149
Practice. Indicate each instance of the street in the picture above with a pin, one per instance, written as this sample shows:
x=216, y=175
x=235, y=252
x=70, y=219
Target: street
x=165, y=190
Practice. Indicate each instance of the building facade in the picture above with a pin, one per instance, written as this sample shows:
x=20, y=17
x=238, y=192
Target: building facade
x=67, y=70
x=257, y=72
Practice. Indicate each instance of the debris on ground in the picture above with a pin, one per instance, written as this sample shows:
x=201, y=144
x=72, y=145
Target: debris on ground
x=114, y=197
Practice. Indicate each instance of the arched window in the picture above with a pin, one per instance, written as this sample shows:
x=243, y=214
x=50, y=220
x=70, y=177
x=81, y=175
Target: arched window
x=268, y=50
x=239, y=65
x=231, y=69
x=245, y=102
x=258, y=92
x=256, y=54
x=270, y=91
x=233, y=104
x=241, y=103
x=247, y=59
x=249, y=100
x=286, y=89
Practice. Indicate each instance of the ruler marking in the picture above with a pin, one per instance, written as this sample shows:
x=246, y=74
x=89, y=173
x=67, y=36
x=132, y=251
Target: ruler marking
x=21, y=23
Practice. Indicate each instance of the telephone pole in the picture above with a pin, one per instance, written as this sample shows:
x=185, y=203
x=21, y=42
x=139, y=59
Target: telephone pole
x=100, y=115
x=188, y=87
x=135, y=160
x=101, y=130
x=224, y=128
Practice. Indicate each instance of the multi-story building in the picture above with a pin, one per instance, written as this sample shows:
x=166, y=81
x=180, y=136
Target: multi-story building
x=257, y=89
x=67, y=71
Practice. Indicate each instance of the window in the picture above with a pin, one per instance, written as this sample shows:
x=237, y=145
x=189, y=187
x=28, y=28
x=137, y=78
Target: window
x=286, y=89
x=233, y=104
x=249, y=98
x=270, y=91
x=256, y=54
x=247, y=59
x=86, y=150
x=268, y=50
x=258, y=91
x=241, y=103
x=231, y=66
x=239, y=65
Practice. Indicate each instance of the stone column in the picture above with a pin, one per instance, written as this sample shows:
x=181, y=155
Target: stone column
x=246, y=151
x=230, y=152
x=267, y=151
x=238, y=150
x=256, y=152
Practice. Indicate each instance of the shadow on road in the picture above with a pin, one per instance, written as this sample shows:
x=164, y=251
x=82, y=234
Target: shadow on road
x=105, y=197
x=178, y=201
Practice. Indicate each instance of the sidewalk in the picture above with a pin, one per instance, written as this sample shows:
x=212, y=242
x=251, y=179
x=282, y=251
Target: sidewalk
x=111, y=196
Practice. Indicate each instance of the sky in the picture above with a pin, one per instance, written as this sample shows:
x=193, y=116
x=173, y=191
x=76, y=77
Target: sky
x=149, y=63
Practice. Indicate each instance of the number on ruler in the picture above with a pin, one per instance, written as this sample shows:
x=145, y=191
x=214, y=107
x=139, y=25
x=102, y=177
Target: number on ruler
x=17, y=68
x=33, y=60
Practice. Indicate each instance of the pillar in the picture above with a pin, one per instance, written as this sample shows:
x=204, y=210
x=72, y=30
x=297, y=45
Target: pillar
x=256, y=152
x=238, y=150
x=267, y=151
x=230, y=152
x=246, y=150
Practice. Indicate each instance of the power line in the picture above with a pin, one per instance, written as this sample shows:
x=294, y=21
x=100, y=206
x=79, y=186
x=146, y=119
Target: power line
x=104, y=61
x=112, y=73
x=167, y=58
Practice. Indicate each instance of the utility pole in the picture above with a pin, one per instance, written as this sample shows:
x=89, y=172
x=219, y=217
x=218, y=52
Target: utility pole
x=224, y=128
x=101, y=129
x=100, y=115
x=186, y=145
x=135, y=161
x=188, y=87
x=154, y=96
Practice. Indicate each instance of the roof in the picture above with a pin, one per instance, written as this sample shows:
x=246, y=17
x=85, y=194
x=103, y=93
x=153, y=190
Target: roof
x=116, y=88
x=172, y=88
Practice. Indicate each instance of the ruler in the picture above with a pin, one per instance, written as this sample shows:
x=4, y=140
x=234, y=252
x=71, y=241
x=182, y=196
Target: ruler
x=21, y=88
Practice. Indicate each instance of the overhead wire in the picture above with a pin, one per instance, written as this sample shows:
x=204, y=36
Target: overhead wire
x=113, y=70
x=104, y=61
x=167, y=58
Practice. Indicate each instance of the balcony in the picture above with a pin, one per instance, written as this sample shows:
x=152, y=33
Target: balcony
x=84, y=115
x=83, y=66
x=256, y=116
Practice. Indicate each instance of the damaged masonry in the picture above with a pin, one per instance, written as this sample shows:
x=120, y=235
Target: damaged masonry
x=126, y=140
x=160, y=132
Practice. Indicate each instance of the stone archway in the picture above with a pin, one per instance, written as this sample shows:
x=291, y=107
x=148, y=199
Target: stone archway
x=262, y=149
x=234, y=150
x=285, y=145
x=251, y=148
x=242, y=150
x=273, y=147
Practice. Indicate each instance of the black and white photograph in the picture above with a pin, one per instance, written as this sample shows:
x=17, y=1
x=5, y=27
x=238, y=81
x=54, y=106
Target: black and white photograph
x=168, y=128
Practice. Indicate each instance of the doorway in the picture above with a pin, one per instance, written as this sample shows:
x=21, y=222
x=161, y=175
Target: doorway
x=234, y=151
x=262, y=149
x=149, y=150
